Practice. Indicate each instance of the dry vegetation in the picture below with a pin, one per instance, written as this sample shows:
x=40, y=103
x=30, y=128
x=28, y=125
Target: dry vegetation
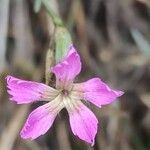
x=113, y=38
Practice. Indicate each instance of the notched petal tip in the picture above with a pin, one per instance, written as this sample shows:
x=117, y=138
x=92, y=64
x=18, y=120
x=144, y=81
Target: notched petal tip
x=9, y=79
x=25, y=135
x=93, y=142
x=119, y=93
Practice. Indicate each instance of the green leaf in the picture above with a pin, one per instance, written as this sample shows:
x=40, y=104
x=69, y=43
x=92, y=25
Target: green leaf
x=62, y=43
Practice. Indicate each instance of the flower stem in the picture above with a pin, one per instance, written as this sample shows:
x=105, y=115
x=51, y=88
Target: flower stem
x=56, y=19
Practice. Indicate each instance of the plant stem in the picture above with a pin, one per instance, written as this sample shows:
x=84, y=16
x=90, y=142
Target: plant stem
x=56, y=19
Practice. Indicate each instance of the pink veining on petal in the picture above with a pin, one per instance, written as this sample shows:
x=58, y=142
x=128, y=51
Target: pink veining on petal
x=69, y=68
x=23, y=91
x=40, y=120
x=84, y=124
x=97, y=92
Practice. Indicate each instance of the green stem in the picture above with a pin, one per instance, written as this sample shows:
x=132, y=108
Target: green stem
x=62, y=38
x=56, y=19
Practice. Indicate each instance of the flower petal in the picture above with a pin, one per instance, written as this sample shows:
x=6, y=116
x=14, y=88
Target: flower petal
x=97, y=92
x=68, y=69
x=40, y=120
x=28, y=91
x=83, y=122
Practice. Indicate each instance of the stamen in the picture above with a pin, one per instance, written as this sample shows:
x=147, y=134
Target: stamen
x=65, y=92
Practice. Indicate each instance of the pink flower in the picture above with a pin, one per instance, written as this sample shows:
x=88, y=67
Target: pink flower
x=66, y=95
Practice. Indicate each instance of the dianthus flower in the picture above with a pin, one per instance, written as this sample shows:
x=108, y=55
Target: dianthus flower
x=66, y=95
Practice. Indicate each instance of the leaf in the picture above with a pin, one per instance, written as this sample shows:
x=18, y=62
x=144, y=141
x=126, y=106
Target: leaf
x=63, y=41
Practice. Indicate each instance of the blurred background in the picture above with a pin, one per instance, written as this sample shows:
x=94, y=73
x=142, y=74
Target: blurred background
x=113, y=38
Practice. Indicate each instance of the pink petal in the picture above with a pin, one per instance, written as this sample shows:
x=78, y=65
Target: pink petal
x=40, y=120
x=83, y=123
x=28, y=91
x=97, y=92
x=68, y=69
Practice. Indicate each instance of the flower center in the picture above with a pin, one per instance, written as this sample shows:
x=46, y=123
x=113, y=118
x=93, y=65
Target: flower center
x=65, y=92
